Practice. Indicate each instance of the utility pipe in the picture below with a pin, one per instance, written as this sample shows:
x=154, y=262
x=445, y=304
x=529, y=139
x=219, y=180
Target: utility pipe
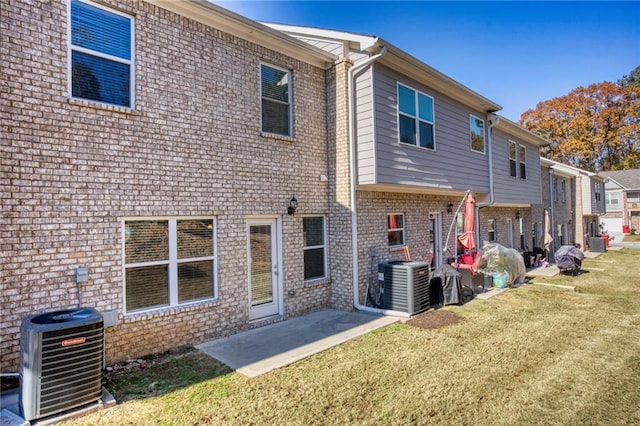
x=352, y=185
x=551, y=224
x=493, y=121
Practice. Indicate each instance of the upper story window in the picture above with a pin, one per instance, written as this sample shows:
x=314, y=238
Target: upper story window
x=415, y=118
x=563, y=191
x=512, y=158
x=476, y=127
x=395, y=229
x=276, y=100
x=101, y=54
x=315, y=253
x=598, y=191
x=523, y=162
x=555, y=189
x=633, y=197
x=168, y=262
x=612, y=201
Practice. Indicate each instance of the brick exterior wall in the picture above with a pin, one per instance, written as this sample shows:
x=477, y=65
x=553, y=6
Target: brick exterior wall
x=505, y=217
x=339, y=229
x=373, y=245
x=72, y=170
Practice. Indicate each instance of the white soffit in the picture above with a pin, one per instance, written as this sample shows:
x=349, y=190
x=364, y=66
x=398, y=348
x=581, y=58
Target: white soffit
x=520, y=132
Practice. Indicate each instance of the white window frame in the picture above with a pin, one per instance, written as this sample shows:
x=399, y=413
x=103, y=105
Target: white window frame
x=131, y=62
x=289, y=100
x=513, y=160
x=403, y=230
x=172, y=263
x=633, y=199
x=471, y=133
x=522, y=161
x=417, y=118
x=323, y=247
x=563, y=191
x=609, y=197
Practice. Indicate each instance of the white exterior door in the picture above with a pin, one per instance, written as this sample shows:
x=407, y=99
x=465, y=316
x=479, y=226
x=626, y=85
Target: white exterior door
x=510, y=233
x=435, y=239
x=265, y=285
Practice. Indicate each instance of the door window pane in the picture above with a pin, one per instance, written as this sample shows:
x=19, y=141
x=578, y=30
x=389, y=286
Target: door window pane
x=261, y=265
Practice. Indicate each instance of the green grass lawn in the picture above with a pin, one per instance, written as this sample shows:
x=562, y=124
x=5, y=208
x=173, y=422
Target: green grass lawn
x=531, y=355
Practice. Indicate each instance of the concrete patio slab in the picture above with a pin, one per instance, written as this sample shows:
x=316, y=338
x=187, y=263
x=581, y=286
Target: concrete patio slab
x=489, y=294
x=263, y=349
x=540, y=271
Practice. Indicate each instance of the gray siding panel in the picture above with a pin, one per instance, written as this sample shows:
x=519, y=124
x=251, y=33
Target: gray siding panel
x=365, y=127
x=451, y=166
x=508, y=189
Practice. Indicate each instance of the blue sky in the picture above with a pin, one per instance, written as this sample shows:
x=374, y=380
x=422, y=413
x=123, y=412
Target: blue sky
x=515, y=53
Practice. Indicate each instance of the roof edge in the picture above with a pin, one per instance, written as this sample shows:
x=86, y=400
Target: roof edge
x=520, y=132
x=215, y=16
x=440, y=81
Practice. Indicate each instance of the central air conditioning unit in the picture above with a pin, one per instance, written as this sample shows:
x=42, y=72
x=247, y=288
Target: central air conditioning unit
x=597, y=245
x=405, y=286
x=60, y=361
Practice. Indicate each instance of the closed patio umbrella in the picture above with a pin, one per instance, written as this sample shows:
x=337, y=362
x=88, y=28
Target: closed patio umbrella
x=467, y=240
x=548, y=239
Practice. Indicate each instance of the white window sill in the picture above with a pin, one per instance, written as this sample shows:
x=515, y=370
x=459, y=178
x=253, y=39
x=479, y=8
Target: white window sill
x=277, y=137
x=102, y=106
x=167, y=311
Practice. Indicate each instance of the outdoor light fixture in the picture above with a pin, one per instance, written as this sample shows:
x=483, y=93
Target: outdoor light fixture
x=517, y=215
x=293, y=205
x=450, y=208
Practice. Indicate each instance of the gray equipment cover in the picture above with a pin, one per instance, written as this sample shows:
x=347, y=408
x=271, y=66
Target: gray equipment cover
x=451, y=284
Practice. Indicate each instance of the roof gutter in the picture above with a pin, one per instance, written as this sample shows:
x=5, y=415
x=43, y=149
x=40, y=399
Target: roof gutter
x=352, y=186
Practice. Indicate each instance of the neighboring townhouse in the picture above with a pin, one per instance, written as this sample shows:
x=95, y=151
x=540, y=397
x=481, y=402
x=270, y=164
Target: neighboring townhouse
x=575, y=199
x=160, y=145
x=513, y=217
x=622, y=200
x=419, y=141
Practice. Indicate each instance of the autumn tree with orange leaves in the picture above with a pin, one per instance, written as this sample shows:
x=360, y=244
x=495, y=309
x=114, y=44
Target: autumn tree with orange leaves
x=596, y=128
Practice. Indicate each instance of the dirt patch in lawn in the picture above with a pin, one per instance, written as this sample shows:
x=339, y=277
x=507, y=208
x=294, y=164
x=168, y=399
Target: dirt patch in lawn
x=434, y=319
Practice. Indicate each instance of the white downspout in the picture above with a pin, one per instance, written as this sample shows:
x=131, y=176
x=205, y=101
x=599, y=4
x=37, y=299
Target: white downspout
x=352, y=187
x=493, y=121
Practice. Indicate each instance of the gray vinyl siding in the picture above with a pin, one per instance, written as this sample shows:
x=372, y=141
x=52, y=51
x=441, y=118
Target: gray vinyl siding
x=597, y=206
x=365, y=128
x=509, y=189
x=451, y=166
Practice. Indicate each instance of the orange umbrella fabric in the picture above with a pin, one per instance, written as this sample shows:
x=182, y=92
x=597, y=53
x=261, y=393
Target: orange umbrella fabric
x=467, y=240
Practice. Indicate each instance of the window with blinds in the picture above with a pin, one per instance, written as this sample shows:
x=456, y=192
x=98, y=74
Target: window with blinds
x=168, y=262
x=315, y=256
x=276, y=100
x=101, y=64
